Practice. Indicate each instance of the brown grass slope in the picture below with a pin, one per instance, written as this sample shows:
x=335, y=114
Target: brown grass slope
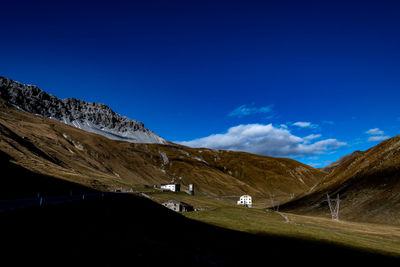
x=331, y=167
x=49, y=147
x=115, y=229
x=368, y=185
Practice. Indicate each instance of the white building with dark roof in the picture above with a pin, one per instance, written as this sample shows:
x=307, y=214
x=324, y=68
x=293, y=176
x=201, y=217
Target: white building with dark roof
x=171, y=187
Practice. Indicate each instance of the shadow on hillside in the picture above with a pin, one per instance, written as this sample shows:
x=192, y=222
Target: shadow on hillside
x=124, y=229
x=17, y=182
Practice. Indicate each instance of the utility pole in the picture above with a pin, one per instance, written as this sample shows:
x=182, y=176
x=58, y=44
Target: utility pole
x=274, y=207
x=334, y=209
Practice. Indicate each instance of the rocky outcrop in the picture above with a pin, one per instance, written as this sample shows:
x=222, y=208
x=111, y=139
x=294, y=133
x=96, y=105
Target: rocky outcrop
x=92, y=117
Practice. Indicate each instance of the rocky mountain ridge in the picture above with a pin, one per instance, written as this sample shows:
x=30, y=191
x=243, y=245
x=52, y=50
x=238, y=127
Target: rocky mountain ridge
x=92, y=117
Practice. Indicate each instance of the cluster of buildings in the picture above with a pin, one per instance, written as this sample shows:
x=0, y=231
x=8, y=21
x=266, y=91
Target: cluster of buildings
x=176, y=205
x=180, y=206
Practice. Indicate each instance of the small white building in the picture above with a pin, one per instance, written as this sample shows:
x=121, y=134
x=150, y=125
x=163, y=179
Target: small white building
x=191, y=190
x=171, y=187
x=245, y=200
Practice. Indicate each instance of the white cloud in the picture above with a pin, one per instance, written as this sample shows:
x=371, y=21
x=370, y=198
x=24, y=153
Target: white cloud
x=265, y=140
x=245, y=110
x=302, y=124
x=310, y=137
x=305, y=124
x=376, y=135
x=378, y=138
x=375, y=131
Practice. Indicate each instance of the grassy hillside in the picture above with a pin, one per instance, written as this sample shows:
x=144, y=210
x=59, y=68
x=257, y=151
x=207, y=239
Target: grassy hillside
x=125, y=229
x=368, y=185
x=224, y=213
x=331, y=167
x=52, y=148
x=41, y=155
x=373, y=238
x=17, y=182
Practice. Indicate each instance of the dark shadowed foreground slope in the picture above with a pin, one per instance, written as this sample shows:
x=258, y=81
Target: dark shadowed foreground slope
x=17, y=182
x=368, y=185
x=120, y=229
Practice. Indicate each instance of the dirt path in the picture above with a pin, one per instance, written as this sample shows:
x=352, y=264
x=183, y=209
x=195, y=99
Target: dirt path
x=284, y=216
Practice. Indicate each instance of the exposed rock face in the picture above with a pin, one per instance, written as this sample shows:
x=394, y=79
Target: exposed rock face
x=92, y=117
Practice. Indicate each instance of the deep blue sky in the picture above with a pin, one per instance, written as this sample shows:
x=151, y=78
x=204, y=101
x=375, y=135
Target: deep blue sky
x=184, y=67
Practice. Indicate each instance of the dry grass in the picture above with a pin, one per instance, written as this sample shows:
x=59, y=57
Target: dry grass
x=376, y=238
x=368, y=185
x=370, y=237
x=220, y=177
x=53, y=148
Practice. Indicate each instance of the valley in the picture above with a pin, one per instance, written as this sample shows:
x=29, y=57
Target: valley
x=54, y=165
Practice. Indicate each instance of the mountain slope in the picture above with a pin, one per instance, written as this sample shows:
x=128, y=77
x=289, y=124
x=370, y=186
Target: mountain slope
x=92, y=117
x=117, y=229
x=49, y=147
x=331, y=167
x=368, y=185
x=122, y=229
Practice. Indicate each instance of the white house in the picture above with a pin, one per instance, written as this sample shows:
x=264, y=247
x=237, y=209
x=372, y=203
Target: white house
x=245, y=200
x=171, y=187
